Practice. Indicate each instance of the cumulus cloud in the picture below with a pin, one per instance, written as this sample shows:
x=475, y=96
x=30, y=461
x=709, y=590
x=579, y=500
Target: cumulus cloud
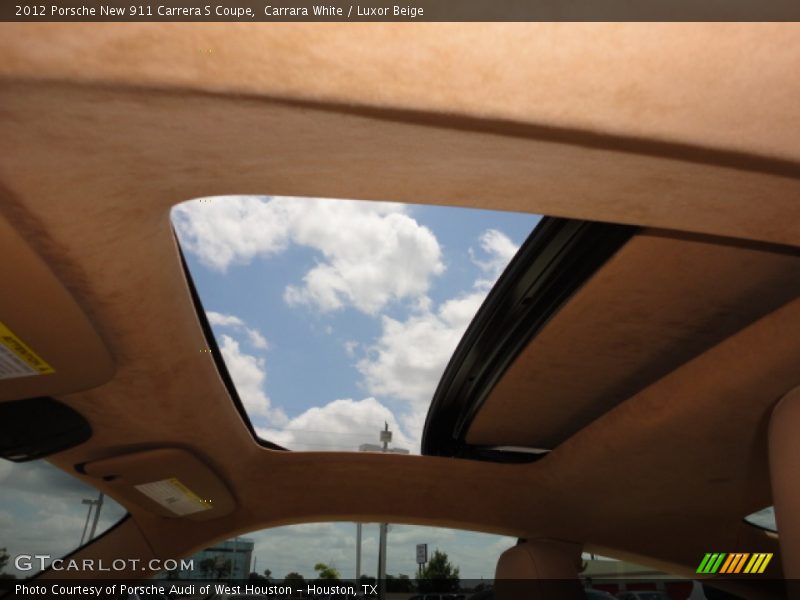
x=372, y=253
x=497, y=250
x=410, y=355
x=231, y=230
x=249, y=374
x=408, y=359
x=343, y=424
x=254, y=336
x=247, y=370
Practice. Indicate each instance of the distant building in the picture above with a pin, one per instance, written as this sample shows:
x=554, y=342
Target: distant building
x=239, y=551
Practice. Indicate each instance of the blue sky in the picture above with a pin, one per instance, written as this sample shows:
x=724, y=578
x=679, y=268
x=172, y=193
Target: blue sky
x=334, y=316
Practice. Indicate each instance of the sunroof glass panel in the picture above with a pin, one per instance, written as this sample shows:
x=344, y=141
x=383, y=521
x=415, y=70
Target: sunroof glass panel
x=336, y=318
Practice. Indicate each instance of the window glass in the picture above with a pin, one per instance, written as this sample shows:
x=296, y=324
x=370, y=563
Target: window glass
x=324, y=550
x=45, y=514
x=764, y=518
x=336, y=318
x=462, y=562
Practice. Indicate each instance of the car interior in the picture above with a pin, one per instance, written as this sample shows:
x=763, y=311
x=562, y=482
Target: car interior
x=629, y=387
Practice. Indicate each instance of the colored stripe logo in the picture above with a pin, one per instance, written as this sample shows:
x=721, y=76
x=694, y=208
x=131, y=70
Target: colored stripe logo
x=734, y=563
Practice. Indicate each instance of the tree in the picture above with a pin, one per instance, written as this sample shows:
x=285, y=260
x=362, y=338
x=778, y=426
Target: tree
x=216, y=566
x=267, y=574
x=400, y=584
x=4, y=557
x=439, y=575
x=256, y=576
x=207, y=567
x=326, y=572
x=295, y=580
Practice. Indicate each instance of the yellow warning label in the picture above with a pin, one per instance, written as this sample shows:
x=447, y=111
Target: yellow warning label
x=175, y=496
x=189, y=493
x=17, y=359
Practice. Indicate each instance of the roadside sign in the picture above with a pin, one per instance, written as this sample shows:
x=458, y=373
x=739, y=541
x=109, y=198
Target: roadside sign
x=422, y=554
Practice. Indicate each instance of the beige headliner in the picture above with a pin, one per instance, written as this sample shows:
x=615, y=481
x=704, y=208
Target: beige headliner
x=660, y=301
x=684, y=127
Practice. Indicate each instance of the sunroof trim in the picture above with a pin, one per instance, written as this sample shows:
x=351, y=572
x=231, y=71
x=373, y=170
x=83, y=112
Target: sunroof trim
x=555, y=260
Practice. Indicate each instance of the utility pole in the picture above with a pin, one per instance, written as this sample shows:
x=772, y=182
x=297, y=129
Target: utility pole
x=88, y=515
x=385, y=438
x=96, y=505
x=233, y=562
x=358, y=552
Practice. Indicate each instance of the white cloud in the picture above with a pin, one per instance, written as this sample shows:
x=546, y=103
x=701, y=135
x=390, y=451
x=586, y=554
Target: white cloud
x=499, y=251
x=410, y=356
x=408, y=359
x=371, y=255
x=249, y=374
x=254, y=336
x=231, y=230
x=372, y=252
x=299, y=547
x=343, y=424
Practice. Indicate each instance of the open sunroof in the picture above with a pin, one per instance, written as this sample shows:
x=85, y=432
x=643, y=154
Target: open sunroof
x=556, y=259
x=332, y=319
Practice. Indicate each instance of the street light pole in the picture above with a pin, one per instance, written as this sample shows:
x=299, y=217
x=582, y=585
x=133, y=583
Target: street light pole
x=98, y=506
x=88, y=515
x=358, y=552
x=386, y=437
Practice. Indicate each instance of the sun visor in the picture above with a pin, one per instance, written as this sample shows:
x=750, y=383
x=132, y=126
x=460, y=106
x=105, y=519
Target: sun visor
x=169, y=482
x=47, y=345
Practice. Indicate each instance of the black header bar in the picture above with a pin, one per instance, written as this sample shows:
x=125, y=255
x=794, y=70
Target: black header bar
x=400, y=11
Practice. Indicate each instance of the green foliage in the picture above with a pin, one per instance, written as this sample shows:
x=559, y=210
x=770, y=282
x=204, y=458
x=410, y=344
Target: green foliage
x=4, y=558
x=438, y=575
x=294, y=579
x=218, y=567
x=399, y=584
x=223, y=568
x=207, y=567
x=326, y=572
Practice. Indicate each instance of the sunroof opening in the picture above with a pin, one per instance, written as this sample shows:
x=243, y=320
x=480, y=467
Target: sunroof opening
x=336, y=318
